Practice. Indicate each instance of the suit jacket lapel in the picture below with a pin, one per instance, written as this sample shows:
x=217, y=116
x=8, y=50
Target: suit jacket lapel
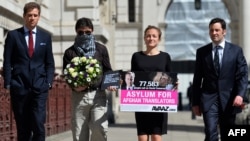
x=38, y=42
x=21, y=35
x=226, y=54
x=209, y=58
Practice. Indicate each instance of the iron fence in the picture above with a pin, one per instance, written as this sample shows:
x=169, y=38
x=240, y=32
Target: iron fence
x=58, y=111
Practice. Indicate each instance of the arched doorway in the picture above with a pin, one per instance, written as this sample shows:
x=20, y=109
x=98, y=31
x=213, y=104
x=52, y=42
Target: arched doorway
x=187, y=30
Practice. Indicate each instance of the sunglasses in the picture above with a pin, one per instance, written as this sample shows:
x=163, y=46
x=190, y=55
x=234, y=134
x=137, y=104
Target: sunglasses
x=84, y=33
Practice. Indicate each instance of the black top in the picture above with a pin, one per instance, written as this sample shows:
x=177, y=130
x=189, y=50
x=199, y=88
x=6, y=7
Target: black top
x=143, y=62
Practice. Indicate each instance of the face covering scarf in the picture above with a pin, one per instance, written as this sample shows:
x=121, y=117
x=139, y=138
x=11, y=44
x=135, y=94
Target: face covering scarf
x=85, y=45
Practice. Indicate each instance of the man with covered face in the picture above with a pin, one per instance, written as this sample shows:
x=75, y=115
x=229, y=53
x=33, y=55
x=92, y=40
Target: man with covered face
x=89, y=103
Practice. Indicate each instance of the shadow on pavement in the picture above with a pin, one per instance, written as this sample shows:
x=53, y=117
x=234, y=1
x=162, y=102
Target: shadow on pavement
x=186, y=128
x=171, y=127
x=125, y=125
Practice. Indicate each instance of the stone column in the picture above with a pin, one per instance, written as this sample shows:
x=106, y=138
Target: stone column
x=153, y=13
x=1, y=44
x=244, y=28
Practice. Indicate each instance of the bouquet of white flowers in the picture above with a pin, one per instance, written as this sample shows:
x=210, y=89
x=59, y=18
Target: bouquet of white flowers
x=82, y=71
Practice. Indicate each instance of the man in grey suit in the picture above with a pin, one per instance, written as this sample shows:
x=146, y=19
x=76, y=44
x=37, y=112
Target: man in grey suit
x=219, y=91
x=28, y=69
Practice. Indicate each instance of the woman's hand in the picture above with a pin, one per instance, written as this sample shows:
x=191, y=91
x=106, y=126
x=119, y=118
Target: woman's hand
x=176, y=86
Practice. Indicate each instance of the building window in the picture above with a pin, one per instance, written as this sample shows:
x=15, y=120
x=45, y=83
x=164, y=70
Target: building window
x=131, y=10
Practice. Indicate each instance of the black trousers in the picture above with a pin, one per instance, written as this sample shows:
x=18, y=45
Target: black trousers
x=216, y=122
x=30, y=114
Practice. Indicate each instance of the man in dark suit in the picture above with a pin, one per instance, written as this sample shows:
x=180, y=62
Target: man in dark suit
x=218, y=93
x=28, y=67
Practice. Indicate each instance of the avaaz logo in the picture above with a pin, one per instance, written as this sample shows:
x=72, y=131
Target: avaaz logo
x=160, y=108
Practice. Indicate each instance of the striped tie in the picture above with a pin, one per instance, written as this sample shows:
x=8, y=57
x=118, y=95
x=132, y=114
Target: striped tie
x=217, y=59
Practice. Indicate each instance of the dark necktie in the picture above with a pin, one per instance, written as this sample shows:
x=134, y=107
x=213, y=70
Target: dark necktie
x=217, y=59
x=31, y=44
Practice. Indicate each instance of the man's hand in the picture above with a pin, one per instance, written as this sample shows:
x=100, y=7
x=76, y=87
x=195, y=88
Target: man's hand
x=196, y=110
x=80, y=88
x=112, y=88
x=238, y=101
x=7, y=91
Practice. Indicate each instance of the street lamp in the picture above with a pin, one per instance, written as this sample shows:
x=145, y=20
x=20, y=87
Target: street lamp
x=197, y=4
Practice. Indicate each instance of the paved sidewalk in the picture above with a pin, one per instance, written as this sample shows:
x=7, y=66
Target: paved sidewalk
x=180, y=128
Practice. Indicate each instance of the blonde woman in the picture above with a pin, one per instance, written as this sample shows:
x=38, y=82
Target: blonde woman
x=152, y=59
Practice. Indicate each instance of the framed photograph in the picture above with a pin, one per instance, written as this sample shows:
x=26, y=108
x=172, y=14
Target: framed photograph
x=111, y=78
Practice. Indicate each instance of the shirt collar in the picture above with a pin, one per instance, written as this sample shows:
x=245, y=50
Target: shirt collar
x=26, y=30
x=222, y=44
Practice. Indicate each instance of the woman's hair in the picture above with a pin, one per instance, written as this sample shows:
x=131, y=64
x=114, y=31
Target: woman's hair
x=84, y=22
x=31, y=5
x=153, y=27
